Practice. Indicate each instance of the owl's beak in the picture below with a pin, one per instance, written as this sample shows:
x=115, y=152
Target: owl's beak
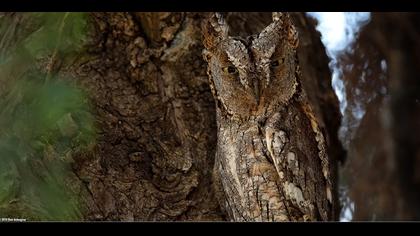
x=257, y=90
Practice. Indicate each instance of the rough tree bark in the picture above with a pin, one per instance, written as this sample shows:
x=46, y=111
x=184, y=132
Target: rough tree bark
x=147, y=80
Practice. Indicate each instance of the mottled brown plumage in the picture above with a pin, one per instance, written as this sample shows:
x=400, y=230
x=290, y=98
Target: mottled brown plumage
x=271, y=161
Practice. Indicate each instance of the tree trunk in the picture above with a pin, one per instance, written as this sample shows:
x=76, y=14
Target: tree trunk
x=149, y=85
x=384, y=154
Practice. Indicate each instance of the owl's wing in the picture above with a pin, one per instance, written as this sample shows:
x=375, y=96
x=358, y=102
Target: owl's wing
x=300, y=169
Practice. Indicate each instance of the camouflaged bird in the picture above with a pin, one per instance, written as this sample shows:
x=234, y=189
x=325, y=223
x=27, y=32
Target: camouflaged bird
x=271, y=161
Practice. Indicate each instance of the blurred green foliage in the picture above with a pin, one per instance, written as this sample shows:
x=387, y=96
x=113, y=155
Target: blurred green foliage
x=43, y=119
x=63, y=32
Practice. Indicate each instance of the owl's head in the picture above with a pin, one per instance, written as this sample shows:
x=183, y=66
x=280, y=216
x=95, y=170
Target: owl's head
x=251, y=76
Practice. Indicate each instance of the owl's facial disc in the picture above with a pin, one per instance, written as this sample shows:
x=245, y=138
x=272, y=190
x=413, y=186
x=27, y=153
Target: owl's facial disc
x=237, y=54
x=257, y=89
x=251, y=75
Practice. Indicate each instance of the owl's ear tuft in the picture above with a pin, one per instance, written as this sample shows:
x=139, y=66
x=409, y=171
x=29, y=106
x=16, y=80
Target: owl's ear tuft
x=284, y=22
x=292, y=34
x=293, y=37
x=214, y=30
x=277, y=16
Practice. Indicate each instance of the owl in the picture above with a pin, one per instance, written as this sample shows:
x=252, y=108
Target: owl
x=271, y=162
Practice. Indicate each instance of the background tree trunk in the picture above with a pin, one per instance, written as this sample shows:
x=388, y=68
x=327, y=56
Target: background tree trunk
x=384, y=154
